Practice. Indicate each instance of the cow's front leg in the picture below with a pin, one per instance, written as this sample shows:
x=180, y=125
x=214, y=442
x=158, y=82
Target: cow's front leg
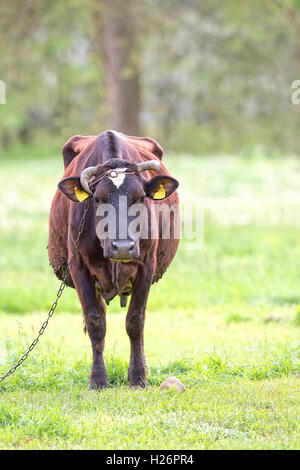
x=135, y=320
x=95, y=323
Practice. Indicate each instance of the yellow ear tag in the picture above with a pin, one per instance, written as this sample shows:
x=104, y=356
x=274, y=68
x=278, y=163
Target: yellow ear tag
x=161, y=193
x=81, y=195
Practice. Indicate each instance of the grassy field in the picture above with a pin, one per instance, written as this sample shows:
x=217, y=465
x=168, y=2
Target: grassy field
x=224, y=319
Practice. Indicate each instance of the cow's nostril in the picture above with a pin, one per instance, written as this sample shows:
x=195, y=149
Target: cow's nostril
x=114, y=245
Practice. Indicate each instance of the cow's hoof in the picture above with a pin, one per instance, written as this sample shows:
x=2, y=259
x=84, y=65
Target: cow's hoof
x=98, y=384
x=139, y=385
x=98, y=387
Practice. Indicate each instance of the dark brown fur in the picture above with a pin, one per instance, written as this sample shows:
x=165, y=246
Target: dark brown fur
x=91, y=274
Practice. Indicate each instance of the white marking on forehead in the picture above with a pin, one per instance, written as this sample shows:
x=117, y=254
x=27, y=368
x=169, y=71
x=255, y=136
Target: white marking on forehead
x=118, y=180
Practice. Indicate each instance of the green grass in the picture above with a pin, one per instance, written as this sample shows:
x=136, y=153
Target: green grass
x=224, y=319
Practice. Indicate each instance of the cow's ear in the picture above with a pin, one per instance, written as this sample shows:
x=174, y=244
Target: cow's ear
x=72, y=188
x=160, y=187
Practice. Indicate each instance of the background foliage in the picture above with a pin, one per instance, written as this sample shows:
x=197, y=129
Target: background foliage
x=214, y=76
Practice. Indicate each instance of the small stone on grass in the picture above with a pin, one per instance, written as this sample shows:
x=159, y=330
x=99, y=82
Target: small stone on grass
x=172, y=382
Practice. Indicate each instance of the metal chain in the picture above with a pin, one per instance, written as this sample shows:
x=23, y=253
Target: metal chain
x=54, y=305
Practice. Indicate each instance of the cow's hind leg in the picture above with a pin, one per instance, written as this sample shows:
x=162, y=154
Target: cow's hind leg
x=135, y=328
x=94, y=313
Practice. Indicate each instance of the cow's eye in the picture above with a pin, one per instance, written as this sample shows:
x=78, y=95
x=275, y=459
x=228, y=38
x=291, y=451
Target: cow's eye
x=97, y=200
x=142, y=199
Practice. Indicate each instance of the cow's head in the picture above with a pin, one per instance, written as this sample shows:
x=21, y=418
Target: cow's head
x=121, y=186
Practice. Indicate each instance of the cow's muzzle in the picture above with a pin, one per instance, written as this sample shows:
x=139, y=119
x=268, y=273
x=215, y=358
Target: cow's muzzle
x=122, y=250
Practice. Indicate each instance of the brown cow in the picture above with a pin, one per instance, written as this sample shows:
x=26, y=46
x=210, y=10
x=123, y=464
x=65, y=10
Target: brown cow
x=111, y=169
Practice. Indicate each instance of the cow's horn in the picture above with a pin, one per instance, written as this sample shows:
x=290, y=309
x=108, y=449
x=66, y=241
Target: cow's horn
x=149, y=165
x=84, y=178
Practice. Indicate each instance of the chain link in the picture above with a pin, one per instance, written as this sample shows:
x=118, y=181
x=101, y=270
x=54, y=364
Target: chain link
x=54, y=305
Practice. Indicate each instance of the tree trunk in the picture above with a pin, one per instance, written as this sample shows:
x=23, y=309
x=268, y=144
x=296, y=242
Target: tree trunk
x=116, y=34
